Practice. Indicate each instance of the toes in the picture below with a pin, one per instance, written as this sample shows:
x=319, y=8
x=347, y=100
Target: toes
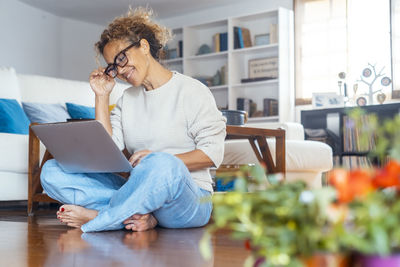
x=129, y=226
x=68, y=207
x=61, y=209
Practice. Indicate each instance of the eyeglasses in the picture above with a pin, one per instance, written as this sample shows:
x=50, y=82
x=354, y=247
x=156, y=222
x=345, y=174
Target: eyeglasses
x=120, y=60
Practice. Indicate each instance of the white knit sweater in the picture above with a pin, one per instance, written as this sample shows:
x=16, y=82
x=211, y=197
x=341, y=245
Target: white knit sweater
x=178, y=117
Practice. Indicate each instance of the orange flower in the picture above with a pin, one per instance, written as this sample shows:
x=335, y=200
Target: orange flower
x=361, y=182
x=388, y=176
x=339, y=178
x=351, y=184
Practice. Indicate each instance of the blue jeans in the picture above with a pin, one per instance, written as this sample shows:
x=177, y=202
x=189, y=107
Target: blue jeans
x=160, y=184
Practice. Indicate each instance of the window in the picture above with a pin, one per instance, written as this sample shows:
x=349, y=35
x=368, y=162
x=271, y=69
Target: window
x=334, y=36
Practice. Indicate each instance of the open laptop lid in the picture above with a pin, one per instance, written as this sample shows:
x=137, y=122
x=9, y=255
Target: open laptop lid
x=82, y=147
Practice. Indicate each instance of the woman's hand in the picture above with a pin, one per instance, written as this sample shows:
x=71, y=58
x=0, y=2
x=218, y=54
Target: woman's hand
x=101, y=83
x=137, y=156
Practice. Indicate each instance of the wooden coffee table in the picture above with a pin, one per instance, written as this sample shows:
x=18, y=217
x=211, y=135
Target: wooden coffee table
x=262, y=151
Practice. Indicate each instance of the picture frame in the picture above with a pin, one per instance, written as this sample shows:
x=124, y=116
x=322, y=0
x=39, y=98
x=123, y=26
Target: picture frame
x=263, y=68
x=327, y=100
x=261, y=39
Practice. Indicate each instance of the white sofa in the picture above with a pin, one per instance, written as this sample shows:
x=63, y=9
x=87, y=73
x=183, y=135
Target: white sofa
x=14, y=147
x=304, y=159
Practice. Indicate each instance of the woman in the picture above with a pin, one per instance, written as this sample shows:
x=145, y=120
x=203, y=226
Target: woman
x=168, y=122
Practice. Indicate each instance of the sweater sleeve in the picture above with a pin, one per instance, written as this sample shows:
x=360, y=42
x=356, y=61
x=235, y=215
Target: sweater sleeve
x=206, y=125
x=116, y=124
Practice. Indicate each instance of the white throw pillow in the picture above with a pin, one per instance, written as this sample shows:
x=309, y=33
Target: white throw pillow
x=9, y=87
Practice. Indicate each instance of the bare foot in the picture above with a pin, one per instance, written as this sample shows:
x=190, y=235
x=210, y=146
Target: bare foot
x=75, y=216
x=140, y=223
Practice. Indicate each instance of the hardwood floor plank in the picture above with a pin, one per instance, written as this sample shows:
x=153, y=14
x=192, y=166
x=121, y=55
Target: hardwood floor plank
x=42, y=241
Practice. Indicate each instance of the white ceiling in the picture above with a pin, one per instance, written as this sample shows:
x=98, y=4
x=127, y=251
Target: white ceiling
x=103, y=11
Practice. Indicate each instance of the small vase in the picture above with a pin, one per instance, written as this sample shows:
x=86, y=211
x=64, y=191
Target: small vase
x=378, y=261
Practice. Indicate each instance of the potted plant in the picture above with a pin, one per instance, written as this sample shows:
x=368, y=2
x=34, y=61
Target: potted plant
x=283, y=224
x=287, y=224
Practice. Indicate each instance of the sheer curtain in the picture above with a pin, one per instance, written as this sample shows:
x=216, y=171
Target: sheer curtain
x=395, y=47
x=334, y=36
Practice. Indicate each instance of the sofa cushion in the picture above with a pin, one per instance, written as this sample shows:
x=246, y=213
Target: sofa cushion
x=301, y=156
x=42, y=89
x=12, y=117
x=45, y=113
x=9, y=87
x=80, y=112
x=14, y=152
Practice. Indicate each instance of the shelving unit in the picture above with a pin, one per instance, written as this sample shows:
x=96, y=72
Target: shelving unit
x=334, y=120
x=236, y=61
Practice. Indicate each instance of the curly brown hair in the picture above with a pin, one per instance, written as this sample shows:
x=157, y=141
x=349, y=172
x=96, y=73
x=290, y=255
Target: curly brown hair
x=135, y=25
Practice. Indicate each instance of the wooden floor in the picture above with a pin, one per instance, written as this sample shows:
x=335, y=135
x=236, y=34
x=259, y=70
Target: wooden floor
x=42, y=241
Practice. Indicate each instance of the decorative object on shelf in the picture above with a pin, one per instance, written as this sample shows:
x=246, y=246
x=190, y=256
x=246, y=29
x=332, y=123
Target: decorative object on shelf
x=172, y=53
x=270, y=107
x=219, y=78
x=342, y=81
x=204, y=49
x=361, y=101
x=253, y=108
x=327, y=100
x=261, y=39
x=235, y=117
x=224, y=74
x=368, y=72
x=216, y=78
x=260, y=79
x=263, y=67
x=381, y=97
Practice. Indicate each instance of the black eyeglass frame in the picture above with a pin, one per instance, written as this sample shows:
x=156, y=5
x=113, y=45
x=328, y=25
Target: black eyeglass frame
x=114, y=66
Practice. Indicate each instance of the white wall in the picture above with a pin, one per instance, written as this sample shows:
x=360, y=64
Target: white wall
x=30, y=39
x=36, y=42
x=226, y=11
x=78, y=54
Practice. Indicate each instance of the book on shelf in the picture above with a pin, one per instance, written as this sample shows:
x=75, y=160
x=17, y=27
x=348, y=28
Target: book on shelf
x=223, y=41
x=220, y=42
x=355, y=162
x=216, y=42
x=180, y=48
x=242, y=37
x=273, y=33
x=243, y=104
x=270, y=107
x=352, y=135
x=236, y=42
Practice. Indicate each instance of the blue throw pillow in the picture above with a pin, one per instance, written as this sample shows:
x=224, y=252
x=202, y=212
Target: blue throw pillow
x=45, y=113
x=80, y=112
x=12, y=117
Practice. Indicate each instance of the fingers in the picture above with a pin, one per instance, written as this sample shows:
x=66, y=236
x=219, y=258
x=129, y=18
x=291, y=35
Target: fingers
x=137, y=156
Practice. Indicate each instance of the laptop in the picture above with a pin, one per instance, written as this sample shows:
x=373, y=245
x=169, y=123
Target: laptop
x=82, y=147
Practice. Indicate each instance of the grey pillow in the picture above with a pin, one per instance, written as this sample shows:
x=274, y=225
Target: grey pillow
x=45, y=113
